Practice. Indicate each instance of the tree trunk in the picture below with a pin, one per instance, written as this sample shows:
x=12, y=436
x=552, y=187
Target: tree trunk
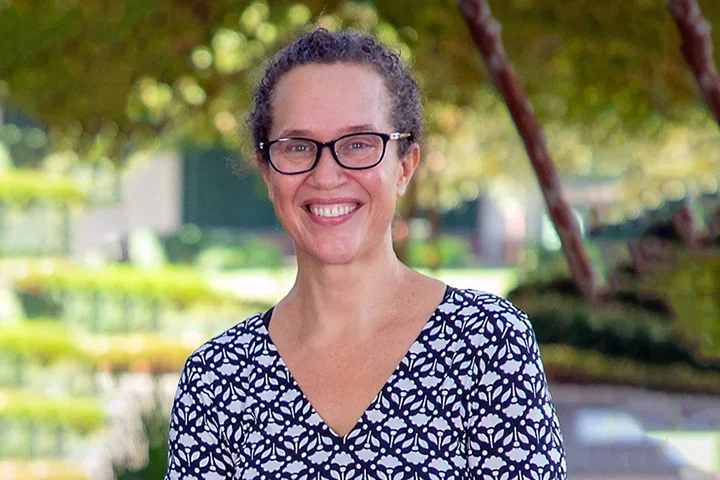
x=698, y=50
x=687, y=226
x=485, y=31
x=637, y=257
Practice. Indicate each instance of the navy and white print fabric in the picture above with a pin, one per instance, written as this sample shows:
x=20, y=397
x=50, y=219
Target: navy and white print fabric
x=468, y=401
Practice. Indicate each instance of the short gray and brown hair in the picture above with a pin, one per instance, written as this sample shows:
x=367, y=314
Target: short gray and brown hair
x=324, y=47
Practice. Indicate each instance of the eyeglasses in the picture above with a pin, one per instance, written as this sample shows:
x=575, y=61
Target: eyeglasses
x=356, y=151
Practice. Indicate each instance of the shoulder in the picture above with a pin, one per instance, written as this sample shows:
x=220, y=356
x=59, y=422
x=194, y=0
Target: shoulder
x=501, y=338
x=480, y=312
x=233, y=343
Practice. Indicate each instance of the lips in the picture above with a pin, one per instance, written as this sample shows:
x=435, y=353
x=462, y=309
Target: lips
x=334, y=210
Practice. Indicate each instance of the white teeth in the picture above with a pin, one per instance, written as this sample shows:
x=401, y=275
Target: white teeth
x=332, y=210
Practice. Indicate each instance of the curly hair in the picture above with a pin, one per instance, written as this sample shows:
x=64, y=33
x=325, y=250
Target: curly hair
x=348, y=46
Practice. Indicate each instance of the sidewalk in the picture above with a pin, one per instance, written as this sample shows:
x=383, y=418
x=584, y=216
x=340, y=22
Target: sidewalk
x=655, y=410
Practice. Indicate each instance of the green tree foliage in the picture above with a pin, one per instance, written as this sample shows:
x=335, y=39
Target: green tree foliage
x=605, y=79
x=575, y=59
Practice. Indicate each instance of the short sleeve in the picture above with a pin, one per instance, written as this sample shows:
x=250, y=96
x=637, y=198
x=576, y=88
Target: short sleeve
x=513, y=430
x=196, y=449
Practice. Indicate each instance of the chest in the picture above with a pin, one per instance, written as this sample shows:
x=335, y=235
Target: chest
x=341, y=381
x=413, y=421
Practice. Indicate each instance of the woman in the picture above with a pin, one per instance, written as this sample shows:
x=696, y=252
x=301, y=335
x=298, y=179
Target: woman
x=366, y=369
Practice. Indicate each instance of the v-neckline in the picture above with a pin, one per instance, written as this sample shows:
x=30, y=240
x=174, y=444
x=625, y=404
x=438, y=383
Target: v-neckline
x=264, y=323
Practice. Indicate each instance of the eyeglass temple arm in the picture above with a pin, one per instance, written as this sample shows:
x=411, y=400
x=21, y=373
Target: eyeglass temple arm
x=397, y=135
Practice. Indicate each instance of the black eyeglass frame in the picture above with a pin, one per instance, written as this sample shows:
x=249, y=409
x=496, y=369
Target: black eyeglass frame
x=386, y=137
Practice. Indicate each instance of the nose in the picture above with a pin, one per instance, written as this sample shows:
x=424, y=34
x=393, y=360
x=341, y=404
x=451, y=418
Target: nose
x=327, y=173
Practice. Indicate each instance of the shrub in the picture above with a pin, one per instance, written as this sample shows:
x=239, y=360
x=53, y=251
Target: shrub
x=451, y=251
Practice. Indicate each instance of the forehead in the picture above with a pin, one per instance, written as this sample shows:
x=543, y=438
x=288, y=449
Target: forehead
x=329, y=99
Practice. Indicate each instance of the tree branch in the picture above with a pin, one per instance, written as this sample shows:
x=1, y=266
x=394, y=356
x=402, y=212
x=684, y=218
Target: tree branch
x=698, y=50
x=485, y=31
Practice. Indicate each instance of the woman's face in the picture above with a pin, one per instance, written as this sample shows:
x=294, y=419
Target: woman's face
x=335, y=215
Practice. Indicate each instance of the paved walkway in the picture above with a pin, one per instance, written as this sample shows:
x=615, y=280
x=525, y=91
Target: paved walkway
x=655, y=410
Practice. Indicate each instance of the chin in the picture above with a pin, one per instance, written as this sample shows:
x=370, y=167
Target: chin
x=332, y=254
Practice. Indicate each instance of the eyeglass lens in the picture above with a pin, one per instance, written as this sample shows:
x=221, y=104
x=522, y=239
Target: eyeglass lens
x=354, y=151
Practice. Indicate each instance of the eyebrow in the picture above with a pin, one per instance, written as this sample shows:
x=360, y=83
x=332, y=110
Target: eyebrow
x=300, y=132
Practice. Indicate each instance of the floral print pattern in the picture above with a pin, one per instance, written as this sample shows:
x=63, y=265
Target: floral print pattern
x=468, y=401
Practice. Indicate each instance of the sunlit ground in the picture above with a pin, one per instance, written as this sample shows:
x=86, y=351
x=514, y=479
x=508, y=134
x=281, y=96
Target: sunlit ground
x=701, y=448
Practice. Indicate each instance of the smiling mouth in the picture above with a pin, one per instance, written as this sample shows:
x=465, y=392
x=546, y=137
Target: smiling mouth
x=332, y=211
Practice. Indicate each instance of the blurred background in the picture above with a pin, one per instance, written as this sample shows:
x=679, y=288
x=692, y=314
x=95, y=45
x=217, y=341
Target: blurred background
x=133, y=228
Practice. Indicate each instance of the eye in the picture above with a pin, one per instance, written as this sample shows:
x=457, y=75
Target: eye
x=298, y=147
x=359, y=145
x=295, y=147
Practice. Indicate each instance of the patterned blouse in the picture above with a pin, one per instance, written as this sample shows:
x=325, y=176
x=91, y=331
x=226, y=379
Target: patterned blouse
x=468, y=401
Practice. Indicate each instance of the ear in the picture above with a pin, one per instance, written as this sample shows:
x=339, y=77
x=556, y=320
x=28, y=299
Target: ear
x=408, y=165
x=265, y=170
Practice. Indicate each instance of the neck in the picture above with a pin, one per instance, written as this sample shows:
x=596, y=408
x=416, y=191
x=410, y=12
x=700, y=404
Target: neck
x=339, y=299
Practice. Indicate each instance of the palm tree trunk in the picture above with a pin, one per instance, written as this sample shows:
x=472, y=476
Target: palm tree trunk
x=687, y=226
x=697, y=48
x=485, y=31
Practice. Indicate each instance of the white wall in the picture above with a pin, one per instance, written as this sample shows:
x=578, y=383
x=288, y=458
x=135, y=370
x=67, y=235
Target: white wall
x=152, y=199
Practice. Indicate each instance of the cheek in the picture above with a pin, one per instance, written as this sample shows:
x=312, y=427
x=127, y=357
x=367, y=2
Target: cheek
x=282, y=194
x=381, y=185
x=275, y=194
x=280, y=198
